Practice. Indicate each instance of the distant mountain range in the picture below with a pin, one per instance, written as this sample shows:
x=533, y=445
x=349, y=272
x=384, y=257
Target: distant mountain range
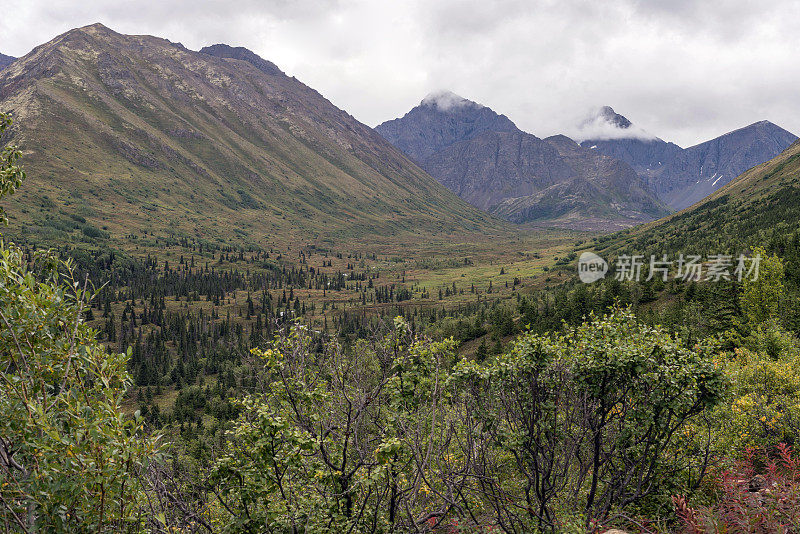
x=135, y=134
x=758, y=207
x=484, y=158
x=5, y=60
x=131, y=134
x=681, y=177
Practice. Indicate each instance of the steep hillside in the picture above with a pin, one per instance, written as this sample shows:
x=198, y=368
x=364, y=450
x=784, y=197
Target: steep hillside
x=646, y=156
x=698, y=171
x=598, y=188
x=126, y=135
x=760, y=205
x=5, y=60
x=489, y=168
x=681, y=177
x=484, y=158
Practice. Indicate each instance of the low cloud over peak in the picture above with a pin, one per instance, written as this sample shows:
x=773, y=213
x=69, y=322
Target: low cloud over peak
x=604, y=123
x=447, y=100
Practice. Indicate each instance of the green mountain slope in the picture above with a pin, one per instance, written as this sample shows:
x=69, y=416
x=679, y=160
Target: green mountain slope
x=760, y=205
x=131, y=134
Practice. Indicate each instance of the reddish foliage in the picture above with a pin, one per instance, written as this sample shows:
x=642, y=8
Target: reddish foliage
x=760, y=494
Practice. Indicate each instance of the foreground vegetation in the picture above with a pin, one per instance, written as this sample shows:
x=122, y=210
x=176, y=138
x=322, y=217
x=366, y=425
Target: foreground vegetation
x=343, y=392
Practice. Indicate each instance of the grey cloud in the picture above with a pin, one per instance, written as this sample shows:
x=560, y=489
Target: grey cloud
x=682, y=70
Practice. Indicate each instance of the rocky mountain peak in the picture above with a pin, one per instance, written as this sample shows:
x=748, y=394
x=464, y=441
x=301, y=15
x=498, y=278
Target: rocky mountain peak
x=440, y=120
x=97, y=27
x=230, y=141
x=681, y=177
x=763, y=127
x=604, y=123
x=485, y=159
x=447, y=101
x=608, y=114
x=92, y=30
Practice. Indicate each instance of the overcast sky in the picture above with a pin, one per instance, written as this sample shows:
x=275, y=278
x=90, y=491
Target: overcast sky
x=683, y=70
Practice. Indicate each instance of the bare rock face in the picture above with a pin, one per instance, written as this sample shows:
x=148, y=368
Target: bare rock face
x=239, y=52
x=646, y=156
x=484, y=158
x=5, y=60
x=698, y=171
x=681, y=177
x=610, y=116
x=441, y=120
x=495, y=166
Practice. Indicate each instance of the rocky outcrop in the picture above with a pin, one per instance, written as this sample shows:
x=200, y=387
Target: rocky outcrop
x=5, y=60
